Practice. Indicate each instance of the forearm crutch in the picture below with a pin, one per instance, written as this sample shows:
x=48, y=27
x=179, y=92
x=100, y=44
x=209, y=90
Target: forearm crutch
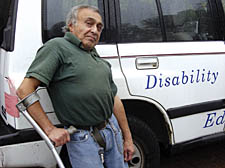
x=22, y=105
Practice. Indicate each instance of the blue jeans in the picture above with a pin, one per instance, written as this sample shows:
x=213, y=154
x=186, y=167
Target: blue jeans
x=83, y=150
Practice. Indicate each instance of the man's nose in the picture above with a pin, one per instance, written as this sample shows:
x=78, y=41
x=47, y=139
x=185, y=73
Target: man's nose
x=94, y=29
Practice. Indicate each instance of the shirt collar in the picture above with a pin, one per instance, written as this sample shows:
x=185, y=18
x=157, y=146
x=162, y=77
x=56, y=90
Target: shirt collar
x=74, y=40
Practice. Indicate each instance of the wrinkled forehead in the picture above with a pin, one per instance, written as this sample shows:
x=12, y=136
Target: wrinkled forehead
x=86, y=13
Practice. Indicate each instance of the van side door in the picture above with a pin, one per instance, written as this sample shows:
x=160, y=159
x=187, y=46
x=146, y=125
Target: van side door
x=8, y=15
x=173, y=52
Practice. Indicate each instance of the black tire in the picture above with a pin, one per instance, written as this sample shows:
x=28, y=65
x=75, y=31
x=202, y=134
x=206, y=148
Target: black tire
x=147, y=151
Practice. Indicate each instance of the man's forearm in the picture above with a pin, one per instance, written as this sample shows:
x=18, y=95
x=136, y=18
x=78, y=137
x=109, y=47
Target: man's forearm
x=59, y=135
x=40, y=117
x=120, y=114
x=27, y=87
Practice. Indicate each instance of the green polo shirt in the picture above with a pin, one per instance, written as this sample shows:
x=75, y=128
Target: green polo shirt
x=79, y=82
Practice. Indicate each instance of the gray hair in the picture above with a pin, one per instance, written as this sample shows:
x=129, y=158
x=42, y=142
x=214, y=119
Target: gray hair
x=71, y=17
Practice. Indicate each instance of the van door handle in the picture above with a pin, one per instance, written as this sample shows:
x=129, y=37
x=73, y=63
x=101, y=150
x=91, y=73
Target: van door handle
x=147, y=63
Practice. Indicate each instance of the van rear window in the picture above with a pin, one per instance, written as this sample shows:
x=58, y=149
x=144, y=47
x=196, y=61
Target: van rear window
x=54, y=15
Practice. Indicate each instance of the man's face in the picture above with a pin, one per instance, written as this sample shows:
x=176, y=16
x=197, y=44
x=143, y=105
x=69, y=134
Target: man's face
x=88, y=27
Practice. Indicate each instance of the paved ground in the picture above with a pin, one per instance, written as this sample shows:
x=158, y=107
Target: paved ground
x=208, y=156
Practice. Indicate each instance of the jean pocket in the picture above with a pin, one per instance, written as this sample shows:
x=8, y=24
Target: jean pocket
x=119, y=141
x=118, y=136
x=78, y=137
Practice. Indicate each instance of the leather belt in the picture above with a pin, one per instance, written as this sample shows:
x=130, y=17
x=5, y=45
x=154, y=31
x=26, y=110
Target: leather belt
x=95, y=133
x=99, y=126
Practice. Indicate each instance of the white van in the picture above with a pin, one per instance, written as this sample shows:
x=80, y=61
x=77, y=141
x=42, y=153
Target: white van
x=168, y=61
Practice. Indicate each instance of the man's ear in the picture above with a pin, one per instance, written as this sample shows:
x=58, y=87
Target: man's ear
x=71, y=27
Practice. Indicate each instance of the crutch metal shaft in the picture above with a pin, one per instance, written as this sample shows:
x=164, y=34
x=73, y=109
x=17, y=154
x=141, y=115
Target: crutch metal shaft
x=44, y=137
x=22, y=105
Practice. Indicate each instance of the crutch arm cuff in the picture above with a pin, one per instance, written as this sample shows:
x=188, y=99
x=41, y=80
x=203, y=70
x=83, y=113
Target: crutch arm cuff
x=30, y=99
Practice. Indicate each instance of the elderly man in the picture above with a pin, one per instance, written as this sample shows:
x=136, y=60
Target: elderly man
x=83, y=94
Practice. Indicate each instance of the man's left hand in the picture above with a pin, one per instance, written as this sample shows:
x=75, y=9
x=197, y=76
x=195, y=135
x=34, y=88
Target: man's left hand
x=128, y=150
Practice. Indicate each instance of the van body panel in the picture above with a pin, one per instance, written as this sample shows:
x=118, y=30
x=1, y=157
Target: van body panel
x=187, y=73
x=109, y=53
x=198, y=125
x=33, y=154
x=28, y=29
x=31, y=34
x=171, y=60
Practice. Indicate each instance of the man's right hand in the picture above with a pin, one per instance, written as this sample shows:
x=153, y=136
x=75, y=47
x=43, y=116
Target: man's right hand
x=59, y=136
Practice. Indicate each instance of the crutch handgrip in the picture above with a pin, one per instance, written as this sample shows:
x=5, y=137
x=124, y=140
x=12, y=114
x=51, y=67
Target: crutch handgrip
x=71, y=130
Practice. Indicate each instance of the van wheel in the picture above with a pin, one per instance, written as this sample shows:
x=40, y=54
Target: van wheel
x=147, y=151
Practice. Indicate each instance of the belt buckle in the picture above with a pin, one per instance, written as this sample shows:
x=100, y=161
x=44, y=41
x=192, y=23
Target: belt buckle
x=102, y=125
x=105, y=123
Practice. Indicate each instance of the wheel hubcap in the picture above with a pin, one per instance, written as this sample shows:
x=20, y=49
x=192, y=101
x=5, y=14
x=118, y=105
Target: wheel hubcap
x=137, y=160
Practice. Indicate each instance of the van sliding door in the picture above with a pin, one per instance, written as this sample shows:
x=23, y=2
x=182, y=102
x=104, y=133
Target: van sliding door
x=172, y=52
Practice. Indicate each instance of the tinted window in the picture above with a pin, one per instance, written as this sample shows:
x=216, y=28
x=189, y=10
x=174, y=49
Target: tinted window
x=54, y=15
x=223, y=2
x=188, y=20
x=8, y=10
x=139, y=21
x=4, y=13
x=169, y=20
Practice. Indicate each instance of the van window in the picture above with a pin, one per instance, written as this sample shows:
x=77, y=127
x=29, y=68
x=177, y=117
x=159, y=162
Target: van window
x=223, y=2
x=188, y=20
x=54, y=15
x=8, y=9
x=139, y=21
x=4, y=13
x=174, y=20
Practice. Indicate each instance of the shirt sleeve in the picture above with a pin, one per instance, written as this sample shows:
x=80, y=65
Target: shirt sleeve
x=113, y=85
x=44, y=65
x=114, y=88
